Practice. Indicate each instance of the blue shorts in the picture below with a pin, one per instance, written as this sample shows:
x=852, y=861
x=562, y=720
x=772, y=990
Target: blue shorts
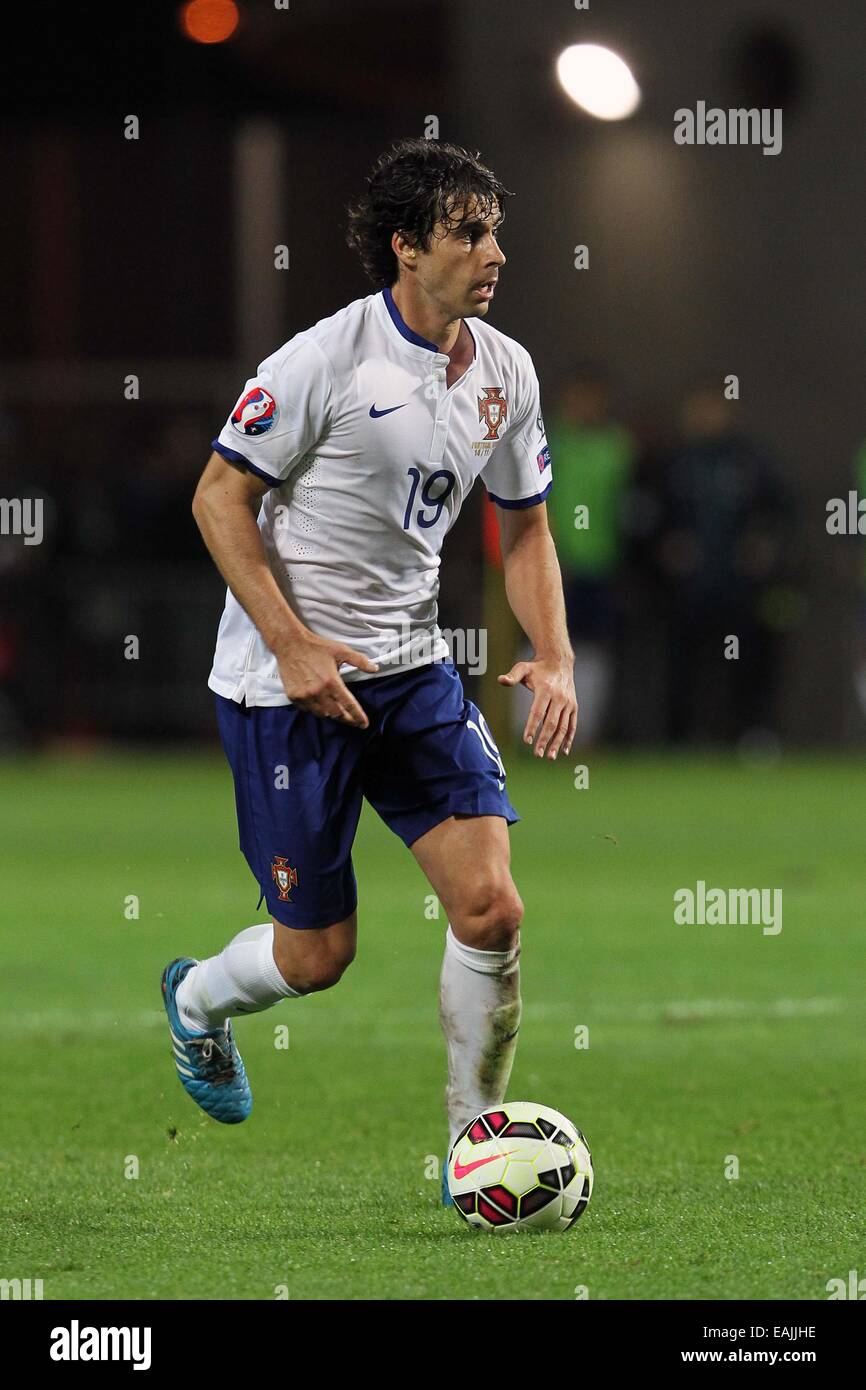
x=300, y=779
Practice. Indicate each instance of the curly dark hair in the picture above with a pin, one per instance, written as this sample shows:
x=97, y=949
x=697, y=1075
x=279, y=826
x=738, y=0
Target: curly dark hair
x=413, y=186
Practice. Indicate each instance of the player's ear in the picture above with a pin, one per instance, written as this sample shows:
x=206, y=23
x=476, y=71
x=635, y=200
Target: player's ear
x=403, y=249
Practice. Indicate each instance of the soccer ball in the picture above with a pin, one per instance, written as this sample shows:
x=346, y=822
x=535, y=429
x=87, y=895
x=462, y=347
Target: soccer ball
x=520, y=1167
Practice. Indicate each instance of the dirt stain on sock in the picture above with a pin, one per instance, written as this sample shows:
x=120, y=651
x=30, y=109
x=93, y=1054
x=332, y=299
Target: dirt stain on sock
x=494, y=1067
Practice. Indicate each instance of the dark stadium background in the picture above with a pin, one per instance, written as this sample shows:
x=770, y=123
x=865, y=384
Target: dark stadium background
x=710, y=1041
x=153, y=257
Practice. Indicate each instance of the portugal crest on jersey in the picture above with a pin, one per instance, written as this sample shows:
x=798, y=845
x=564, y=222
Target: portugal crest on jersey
x=255, y=413
x=492, y=410
x=284, y=876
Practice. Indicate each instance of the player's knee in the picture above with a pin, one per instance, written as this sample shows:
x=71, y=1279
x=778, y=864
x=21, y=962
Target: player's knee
x=320, y=973
x=314, y=973
x=492, y=919
x=310, y=965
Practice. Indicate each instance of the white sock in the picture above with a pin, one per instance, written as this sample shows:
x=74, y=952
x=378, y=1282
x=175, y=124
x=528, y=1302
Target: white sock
x=479, y=1009
x=242, y=979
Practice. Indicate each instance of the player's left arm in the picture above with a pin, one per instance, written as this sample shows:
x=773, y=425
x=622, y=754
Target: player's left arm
x=533, y=583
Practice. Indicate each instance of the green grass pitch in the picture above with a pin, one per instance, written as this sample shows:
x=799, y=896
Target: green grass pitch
x=704, y=1042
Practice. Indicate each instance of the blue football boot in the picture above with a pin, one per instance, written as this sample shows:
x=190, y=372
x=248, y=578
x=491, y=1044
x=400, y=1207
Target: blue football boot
x=447, y=1199
x=208, y=1064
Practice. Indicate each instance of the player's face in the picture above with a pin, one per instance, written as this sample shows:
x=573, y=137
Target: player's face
x=461, y=268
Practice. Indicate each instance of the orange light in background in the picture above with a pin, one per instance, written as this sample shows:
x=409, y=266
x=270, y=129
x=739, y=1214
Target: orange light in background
x=209, y=21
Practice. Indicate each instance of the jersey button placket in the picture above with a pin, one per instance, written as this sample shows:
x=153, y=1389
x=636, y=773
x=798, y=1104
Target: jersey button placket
x=442, y=411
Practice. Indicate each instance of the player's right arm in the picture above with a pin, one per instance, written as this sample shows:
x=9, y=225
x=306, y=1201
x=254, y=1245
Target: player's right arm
x=225, y=507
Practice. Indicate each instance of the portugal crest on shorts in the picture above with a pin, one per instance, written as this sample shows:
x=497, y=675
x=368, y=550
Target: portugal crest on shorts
x=492, y=410
x=284, y=876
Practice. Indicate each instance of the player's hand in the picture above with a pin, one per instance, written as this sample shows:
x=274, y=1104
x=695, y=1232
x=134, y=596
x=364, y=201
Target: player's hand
x=553, y=716
x=309, y=670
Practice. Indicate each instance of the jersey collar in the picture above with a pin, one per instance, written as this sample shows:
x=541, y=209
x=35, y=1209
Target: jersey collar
x=402, y=326
x=414, y=338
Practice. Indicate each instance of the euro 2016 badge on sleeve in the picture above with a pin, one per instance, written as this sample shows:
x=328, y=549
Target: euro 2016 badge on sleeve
x=255, y=413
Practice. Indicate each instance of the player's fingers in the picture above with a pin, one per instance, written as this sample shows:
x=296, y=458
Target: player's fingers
x=332, y=709
x=516, y=674
x=551, y=723
x=333, y=701
x=353, y=658
x=325, y=705
x=558, y=737
x=536, y=715
x=572, y=729
x=347, y=706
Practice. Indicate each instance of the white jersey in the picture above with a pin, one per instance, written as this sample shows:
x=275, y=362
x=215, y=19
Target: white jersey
x=369, y=455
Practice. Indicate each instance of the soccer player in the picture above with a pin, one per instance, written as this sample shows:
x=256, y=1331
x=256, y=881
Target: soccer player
x=325, y=504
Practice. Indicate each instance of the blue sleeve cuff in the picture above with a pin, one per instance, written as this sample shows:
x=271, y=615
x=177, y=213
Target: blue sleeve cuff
x=234, y=457
x=515, y=504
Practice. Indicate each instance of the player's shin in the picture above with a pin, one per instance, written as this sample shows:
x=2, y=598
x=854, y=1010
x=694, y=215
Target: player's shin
x=242, y=979
x=479, y=1008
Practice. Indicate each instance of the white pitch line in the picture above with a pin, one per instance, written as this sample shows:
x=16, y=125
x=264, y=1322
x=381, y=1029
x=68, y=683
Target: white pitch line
x=694, y=1008
x=743, y=1008
x=83, y=1020
x=676, y=1010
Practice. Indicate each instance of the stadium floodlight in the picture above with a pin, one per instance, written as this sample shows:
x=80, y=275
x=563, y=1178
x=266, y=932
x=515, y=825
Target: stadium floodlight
x=598, y=80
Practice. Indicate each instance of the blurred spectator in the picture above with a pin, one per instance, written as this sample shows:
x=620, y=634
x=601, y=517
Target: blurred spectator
x=154, y=503
x=593, y=457
x=29, y=622
x=728, y=525
x=640, y=694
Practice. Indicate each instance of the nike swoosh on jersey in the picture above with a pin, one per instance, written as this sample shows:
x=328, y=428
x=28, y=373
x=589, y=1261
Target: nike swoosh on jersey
x=387, y=411
x=461, y=1169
